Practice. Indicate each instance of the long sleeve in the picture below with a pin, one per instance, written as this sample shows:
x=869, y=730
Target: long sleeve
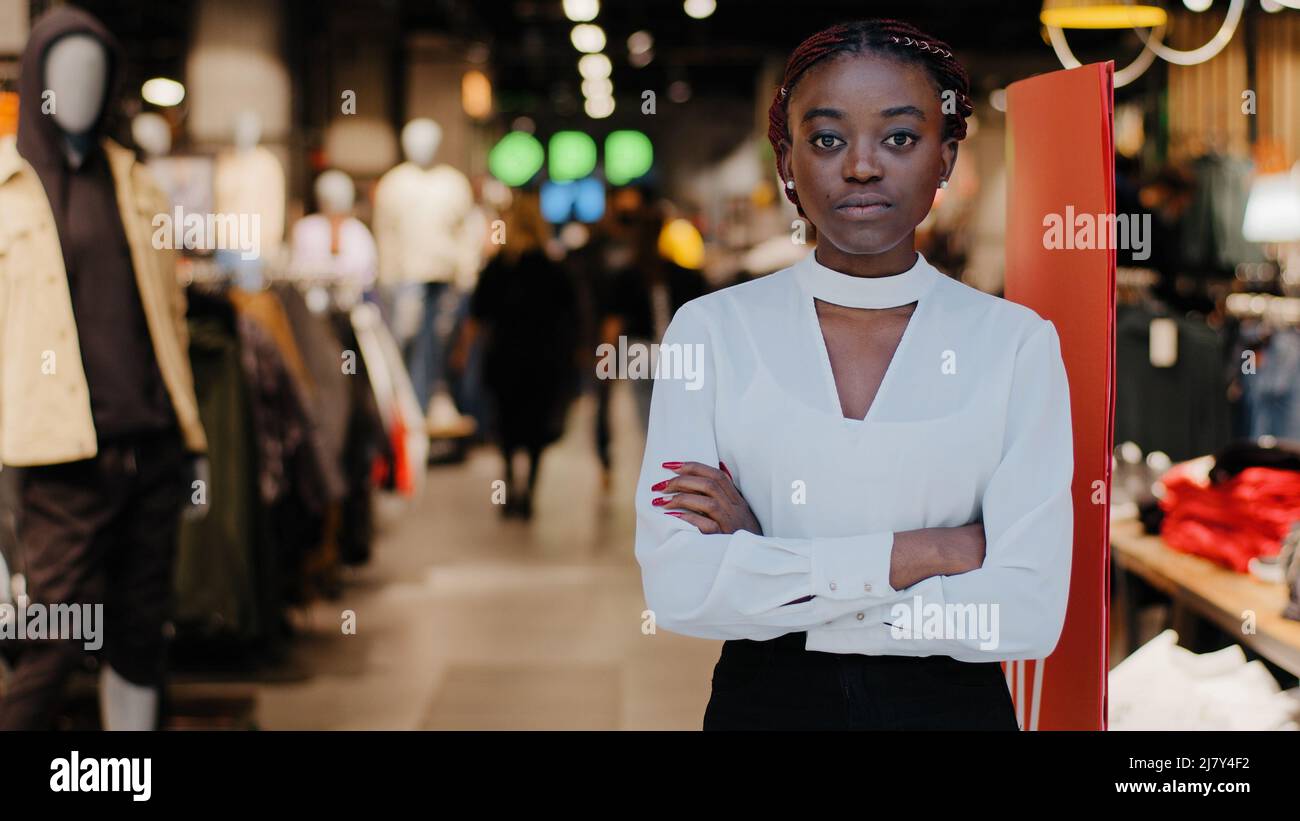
x=739, y=585
x=1014, y=606
x=387, y=231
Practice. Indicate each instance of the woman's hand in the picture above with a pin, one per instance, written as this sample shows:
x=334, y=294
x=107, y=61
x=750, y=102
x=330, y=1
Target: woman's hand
x=706, y=497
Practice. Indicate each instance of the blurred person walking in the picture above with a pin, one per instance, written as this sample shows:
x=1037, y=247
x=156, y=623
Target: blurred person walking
x=524, y=308
x=645, y=294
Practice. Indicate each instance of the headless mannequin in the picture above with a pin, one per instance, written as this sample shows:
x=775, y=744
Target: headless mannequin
x=250, y=180
x=152, y=133
x=334, y=242
x=76, y=70
x=420, y=141
x=336, y=195
x=420, y=214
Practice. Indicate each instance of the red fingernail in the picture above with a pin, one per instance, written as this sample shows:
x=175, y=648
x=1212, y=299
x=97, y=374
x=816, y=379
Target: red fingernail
x=673, y=465
x=662, y=500
x=673, y=512
x=660, y=485
x=723, y=465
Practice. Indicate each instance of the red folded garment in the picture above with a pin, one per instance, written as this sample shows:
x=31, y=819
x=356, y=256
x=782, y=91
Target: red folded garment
x=1233, y=521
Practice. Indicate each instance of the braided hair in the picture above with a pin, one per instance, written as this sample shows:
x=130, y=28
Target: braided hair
x=890, y=37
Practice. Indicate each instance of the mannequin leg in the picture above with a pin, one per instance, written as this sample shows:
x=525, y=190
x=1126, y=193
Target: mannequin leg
x=139, y=591
x=126, y=706
x=420, y=363
x=66, y=524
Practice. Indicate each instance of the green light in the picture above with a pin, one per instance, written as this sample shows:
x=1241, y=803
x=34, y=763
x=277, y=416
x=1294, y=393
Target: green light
x=572, y=155
x=628, y=155
x=516, y=158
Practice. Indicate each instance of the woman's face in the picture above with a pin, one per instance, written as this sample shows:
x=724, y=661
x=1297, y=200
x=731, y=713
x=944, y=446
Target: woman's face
x=867, y=153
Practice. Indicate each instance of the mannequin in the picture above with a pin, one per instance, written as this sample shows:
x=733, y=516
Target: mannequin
x=250, y=180
x=103, y=436
x=153, y=134
x=332, y=241
x=420, y=214
x=76, y=70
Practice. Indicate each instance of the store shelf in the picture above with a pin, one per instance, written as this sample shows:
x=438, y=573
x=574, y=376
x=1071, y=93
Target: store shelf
x=1222, y=596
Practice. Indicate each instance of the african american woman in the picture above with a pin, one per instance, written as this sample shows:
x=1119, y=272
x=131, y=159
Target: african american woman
x=858, y=469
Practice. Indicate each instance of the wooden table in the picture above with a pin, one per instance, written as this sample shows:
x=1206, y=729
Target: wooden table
x=1208, y=590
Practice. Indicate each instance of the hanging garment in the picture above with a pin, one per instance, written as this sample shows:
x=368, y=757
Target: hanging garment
x=1181, y=410
x=1272, y=393
x=323, y=358
x=294, y=490
x=220, y=566
x=403, y=417
x=363, y=445
x=1212, y=241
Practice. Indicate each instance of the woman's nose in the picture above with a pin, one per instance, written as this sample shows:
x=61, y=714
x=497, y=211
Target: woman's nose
x=862, y=162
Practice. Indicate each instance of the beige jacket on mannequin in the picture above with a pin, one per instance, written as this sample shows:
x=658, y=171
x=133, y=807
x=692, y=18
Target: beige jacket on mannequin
x=45, y=415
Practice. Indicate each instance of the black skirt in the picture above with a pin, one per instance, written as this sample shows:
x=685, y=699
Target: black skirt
x=779, y=685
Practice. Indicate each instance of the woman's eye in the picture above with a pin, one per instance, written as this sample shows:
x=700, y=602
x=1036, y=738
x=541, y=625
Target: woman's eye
x=820, y=139
x=900, y=140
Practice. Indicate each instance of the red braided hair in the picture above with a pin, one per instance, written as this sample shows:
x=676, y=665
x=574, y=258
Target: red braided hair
x=891, y=37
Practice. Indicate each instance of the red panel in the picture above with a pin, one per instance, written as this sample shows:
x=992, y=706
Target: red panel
x=1061, y=161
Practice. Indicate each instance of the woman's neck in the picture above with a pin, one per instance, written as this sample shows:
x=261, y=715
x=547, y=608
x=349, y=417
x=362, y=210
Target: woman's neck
x=887, y=263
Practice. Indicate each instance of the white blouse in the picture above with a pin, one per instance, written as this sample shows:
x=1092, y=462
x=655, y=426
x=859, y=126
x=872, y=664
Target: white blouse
x=971, y=422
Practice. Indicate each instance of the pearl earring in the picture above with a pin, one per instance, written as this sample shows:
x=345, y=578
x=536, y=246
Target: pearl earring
x=943, y=183
x=789, y=184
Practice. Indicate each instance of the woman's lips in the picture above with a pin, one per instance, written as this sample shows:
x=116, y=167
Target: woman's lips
x=857, y=212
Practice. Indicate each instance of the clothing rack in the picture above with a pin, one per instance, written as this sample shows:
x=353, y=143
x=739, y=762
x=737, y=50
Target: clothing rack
x=344, y=292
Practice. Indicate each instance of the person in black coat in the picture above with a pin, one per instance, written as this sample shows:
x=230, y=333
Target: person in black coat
x=525, y=305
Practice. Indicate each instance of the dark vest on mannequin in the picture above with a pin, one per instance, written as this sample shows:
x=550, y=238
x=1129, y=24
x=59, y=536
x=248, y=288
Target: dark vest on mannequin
x=72, y=56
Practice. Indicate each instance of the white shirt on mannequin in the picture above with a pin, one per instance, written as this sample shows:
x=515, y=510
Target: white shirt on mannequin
x=971, y=421
x=419, y=224
x=252, y=182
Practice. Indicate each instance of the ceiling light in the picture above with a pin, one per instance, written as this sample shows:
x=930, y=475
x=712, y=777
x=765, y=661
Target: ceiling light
x=597, y=87
x=599, y=107
x=1098, y=14
x=161, y=91
x=588, y=38
x=594, y=65
x=699, y=9
x=580, y=11
x=640, y=42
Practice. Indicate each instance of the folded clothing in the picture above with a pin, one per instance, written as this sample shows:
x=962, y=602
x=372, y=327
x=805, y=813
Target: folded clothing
x=1232, y=520
x=1162, y=686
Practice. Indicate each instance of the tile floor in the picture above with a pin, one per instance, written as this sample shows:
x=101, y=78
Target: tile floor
x=467, y=621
